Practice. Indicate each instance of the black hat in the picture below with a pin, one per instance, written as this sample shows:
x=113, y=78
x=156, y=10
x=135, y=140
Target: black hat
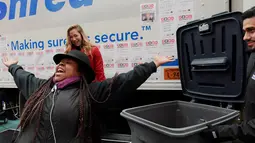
x=83, y=62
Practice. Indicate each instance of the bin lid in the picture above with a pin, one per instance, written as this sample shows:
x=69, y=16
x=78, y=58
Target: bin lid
x=212, y=58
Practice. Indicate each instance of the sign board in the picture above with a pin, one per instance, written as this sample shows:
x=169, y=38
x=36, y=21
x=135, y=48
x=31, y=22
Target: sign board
x=127, y=33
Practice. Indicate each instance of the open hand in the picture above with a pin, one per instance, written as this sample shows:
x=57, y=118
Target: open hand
x=160, y=60
x=8, y=62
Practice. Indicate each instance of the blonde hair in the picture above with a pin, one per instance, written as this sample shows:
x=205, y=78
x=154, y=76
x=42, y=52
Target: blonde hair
x=85, y=44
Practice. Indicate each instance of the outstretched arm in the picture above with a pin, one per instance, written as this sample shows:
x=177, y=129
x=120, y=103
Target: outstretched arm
x=26, y=82
x=126, y=82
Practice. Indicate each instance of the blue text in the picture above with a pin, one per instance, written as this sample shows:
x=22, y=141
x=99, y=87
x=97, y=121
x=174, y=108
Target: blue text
x=28, y=44
x=22, y=6
x=116, y=37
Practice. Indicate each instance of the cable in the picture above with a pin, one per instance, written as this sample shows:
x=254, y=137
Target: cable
x=52, y=107
x=12, y=108
x=52, y=90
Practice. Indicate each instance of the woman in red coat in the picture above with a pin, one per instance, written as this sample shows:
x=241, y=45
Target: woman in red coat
x=76, y=39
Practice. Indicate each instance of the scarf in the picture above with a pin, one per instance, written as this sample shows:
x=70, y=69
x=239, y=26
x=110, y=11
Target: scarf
x=68, y=81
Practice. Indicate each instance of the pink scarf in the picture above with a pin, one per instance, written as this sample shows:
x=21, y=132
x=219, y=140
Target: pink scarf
x=62, y=84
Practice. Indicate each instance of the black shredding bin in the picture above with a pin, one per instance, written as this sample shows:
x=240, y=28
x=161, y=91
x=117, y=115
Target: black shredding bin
x=212, y=62
x=174, y=121
x=212, y=58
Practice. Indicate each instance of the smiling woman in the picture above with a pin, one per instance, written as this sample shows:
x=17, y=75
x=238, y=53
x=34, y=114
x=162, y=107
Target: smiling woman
x=78, y=40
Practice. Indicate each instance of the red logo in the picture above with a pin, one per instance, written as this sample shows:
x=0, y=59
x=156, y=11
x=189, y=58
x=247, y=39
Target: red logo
x=50, y=67
x=147, y=6
x=135, y=64
x=185, y=17
x=62, y=50
x=168, y=41
x=21, y=53
x=4, y=54
x=152, y=43
x=40, y=68
x=5, y=70
x=30, y=53
x=136, y=44
x=122, y=45
x=39, y=53
x=122, y=65
x=167, y=19
x=30, y=68
x=12, y=54
x=109, y=65
x=49, y=51
x=108, y=46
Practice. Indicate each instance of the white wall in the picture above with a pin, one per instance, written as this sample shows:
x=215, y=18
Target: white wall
x=248, y=4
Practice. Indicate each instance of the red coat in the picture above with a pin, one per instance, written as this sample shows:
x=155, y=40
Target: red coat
x=96, y=62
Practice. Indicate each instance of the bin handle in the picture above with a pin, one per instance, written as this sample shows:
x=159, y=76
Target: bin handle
x=210, y=64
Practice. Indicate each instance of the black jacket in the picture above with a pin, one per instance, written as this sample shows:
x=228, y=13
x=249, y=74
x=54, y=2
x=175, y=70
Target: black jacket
x=245, y=131
x=65, y=113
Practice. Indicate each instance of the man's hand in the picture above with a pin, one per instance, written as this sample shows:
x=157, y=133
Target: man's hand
x=8, y=62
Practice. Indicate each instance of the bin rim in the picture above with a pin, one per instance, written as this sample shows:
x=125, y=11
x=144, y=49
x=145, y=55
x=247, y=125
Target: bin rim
x=179, y=132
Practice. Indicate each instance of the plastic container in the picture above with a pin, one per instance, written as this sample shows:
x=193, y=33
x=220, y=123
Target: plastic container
x=174, y=121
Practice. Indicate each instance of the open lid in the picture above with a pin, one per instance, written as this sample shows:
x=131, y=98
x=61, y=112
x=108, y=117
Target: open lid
x=212, y=58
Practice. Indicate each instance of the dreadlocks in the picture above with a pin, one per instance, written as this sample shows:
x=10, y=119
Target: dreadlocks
x=34, y=107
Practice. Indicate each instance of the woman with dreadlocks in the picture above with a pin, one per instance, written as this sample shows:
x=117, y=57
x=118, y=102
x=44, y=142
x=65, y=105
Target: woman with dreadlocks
x=63, y=109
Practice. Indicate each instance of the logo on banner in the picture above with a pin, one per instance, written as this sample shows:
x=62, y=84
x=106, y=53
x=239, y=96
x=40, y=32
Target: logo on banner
x=30, y=69
x=39, y=53
x=136, y=44
x=108, y=46
x=30, y=53
x=122, y=45
x=49, y=51
x=61, y=50
x=168, y=41
x=40, y=68
x=21, y=53
x=185, y=17
x=135, y=64
x=167, y=19
x=147, y=6
x=122, y=65
x=109, y=65
x=152, y=43
x=50, y=68
x=5, y=69
x=12, y=54
x=4, y=54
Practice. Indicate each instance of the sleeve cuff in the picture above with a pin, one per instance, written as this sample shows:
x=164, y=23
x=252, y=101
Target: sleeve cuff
x=13, y=66
x=153, y=66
